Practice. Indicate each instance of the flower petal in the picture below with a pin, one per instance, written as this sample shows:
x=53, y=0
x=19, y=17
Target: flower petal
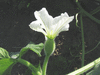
x=63, y=17
x=58, y=18
x=62, y=23
x=44, y=18
x=36, y=25
x=64, y=28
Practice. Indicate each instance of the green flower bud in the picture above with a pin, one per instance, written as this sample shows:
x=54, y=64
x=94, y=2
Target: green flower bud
x=49, y=46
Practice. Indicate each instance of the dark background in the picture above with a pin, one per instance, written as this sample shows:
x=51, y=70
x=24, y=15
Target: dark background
x=15, y=17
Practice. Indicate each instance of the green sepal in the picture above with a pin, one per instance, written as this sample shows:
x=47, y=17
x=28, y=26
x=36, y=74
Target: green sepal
x=49, y=46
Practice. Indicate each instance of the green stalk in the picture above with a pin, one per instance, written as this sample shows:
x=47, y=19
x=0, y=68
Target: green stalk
x=95, y=11
x=85, y=68
x=49, y=48
x=87, y=14
x=44, y=68
x=28, y=64
x=93, y=48
x=83, y=46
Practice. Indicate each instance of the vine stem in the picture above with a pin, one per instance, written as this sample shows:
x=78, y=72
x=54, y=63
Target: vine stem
x=83, y=46
x=44, y=68
x=87, y=14
x=85, y=68
x=28, y=64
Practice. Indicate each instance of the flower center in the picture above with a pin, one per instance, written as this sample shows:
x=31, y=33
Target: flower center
x=51, y=32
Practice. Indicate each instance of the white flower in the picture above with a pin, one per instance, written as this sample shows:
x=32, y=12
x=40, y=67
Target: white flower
x=48, y=25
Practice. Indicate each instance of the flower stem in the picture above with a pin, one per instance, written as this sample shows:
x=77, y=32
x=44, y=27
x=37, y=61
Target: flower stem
x=44, y=68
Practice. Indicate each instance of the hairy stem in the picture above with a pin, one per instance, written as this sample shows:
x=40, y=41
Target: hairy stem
x=44, y=68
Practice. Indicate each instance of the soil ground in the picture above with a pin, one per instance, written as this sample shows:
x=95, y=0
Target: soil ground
x=15, y=34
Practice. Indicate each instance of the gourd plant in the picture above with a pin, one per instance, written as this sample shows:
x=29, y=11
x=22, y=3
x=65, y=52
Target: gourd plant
x=50, y=27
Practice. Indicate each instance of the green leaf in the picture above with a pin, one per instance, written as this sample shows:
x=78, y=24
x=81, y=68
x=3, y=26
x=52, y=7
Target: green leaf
x=95, y=71
x=6, y=65
x=4, y=53
x=37, y=48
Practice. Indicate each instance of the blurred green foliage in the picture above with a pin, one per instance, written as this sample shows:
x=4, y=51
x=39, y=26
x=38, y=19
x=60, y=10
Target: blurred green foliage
x=17, y=4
